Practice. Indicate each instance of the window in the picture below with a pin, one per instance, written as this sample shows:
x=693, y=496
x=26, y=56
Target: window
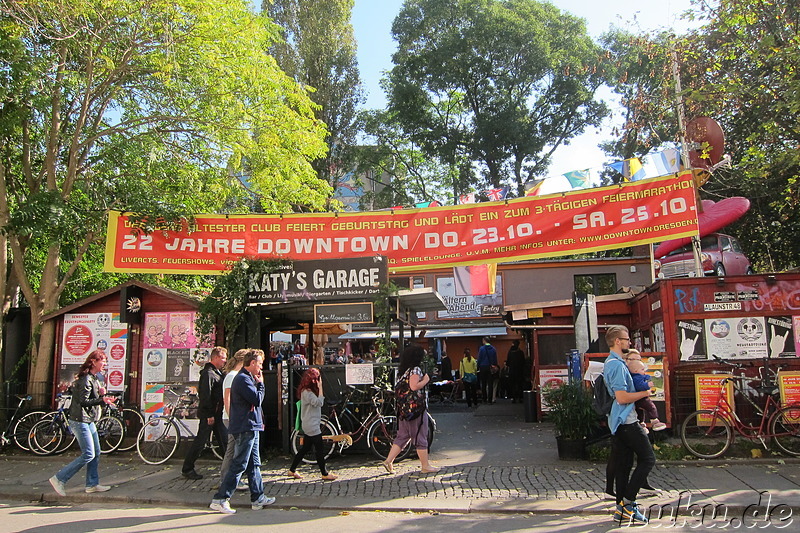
x=597, y=284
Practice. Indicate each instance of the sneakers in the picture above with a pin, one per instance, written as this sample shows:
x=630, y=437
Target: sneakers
x=58, y=486
x=97, y=488
x=222, y=506
x=658, y=426
x=191, y=474
x=629, y=513
x=644, y=427
x=262, y=502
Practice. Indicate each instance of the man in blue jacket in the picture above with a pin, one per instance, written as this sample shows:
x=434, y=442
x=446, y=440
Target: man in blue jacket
x=628, y=436
x=487, y=358
x=246, y=423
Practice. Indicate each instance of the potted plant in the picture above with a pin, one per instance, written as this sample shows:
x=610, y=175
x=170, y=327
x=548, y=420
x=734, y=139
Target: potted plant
x=570, y=409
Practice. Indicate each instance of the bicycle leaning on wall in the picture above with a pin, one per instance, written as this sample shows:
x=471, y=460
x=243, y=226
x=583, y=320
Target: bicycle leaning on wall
x=709, y=433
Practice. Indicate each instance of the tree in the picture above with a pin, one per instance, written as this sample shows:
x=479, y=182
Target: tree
x=525, y=72
x=741, y=68
x=145, y=107
x=319, y=50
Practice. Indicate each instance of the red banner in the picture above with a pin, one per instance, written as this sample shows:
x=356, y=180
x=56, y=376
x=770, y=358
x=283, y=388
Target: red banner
x=415, y=239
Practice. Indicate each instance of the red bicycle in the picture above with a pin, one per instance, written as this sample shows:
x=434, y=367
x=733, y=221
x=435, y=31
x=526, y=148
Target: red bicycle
x=708, y=433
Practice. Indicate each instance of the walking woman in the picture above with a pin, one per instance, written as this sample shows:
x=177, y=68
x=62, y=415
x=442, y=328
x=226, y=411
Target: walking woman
x=416, y=429
x=84, y=411
x=311, y=401
x=469, y=377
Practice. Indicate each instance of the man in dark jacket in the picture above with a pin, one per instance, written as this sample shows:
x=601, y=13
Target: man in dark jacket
x=209, y=411
x=487, y=361
x=246, y=424
x=515, y=361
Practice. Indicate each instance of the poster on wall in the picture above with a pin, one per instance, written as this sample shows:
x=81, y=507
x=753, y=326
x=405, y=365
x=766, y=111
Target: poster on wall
x=736, y=338
x=551, y=377
x=468, y=306
x=779, y=335
x=690, y=340
x=85, y=332
x=171, y=358
x=659, y=344
x=796, y=324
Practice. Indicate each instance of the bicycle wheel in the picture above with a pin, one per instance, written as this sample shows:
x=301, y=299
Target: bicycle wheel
x=158, y=440
x=381, y=435
x=45, y=436
x=785, y=429
x=330, y=446
x=216, y=447
x=22, y=428
x=110, y=432
x=132, y=422
x=706, y=440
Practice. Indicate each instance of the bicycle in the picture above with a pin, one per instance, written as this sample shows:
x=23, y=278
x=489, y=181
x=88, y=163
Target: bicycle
x=132, y=422
x=18, y=427
x=342, y=428
x=52, y=434
x=708, y=433
x=160, y=435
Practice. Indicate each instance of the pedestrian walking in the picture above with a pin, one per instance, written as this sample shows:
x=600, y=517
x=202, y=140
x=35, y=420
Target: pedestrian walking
x=246, y=425
x=232, y=367
x=412, y=410
x=87, y=396
x=209, y=411
x=468, y=369
x=309, y=392
x=487, y=368
x=628, y=437
x=515, y=361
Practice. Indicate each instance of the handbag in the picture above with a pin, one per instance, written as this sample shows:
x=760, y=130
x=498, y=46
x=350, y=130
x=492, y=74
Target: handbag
x=410, y=404
x=298, y=422
x=469, y=377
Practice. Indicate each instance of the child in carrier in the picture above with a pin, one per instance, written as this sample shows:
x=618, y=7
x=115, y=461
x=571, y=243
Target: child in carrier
x=641, y=382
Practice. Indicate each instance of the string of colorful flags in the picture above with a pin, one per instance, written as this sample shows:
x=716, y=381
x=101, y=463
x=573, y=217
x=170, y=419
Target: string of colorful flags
x=633, y=169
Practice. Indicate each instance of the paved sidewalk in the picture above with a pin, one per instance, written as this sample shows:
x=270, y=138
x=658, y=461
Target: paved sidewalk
x=490, y=461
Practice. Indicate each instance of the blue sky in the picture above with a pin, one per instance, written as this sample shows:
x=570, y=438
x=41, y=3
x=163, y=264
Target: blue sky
x=372, y=21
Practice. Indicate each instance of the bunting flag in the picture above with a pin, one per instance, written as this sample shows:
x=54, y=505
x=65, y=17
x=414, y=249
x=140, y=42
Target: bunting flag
x=631, y=169
x=532, y=187
x=434, y=203
x=467, y=198
x=666, y=162
x=497, y=195
x=578, y=179
x=475, y=280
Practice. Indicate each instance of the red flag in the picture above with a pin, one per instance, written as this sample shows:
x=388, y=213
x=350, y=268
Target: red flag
x=475, y=280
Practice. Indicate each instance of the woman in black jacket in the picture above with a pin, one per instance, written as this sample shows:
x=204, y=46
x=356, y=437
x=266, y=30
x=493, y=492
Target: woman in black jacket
x=87, y=397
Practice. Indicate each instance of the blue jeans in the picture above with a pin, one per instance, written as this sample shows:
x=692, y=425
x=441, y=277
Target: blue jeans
x=90, y=454
x=246, y=459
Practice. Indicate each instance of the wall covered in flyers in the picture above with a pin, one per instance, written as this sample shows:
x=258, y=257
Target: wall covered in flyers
x=85, y=332
x=172, y=355
x=738, y=338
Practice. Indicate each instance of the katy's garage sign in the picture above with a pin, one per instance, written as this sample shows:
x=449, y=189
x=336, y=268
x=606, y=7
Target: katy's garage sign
x=355, y=278
x=415, y=239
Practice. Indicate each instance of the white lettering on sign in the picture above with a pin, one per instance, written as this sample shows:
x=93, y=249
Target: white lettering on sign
x=733, y=306
x=345, y=279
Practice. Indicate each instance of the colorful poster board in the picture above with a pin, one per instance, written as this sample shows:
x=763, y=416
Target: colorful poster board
x=171, y=358
x=707, y=390
x=85, y=332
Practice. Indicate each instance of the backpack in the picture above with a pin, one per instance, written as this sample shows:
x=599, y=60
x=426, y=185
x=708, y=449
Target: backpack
x=409, y=403
x=602, y=401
